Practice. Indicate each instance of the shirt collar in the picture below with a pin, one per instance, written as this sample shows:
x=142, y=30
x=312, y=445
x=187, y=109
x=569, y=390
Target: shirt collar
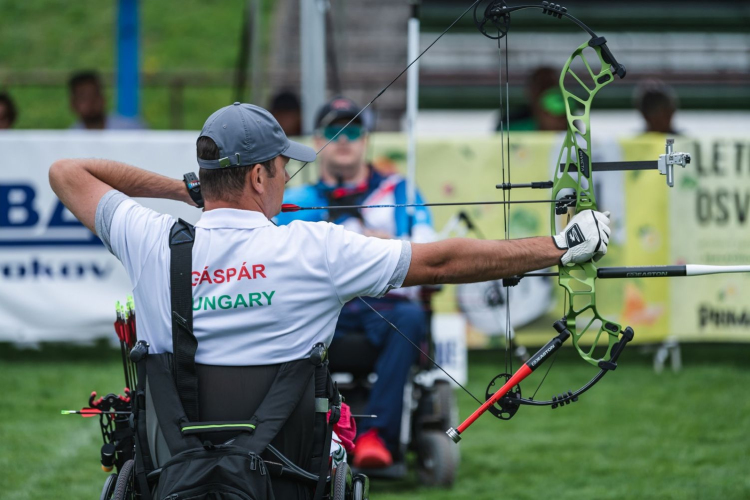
x=231, y=218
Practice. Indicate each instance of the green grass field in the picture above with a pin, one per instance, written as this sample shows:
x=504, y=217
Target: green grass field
x=636, y=435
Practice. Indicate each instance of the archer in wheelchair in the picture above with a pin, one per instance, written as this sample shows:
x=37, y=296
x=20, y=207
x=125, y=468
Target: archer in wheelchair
x=230, y=395
x=159, y=453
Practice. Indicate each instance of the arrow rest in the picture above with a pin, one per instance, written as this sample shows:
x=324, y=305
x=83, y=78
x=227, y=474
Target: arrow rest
x=507, y=406
x=496, y=14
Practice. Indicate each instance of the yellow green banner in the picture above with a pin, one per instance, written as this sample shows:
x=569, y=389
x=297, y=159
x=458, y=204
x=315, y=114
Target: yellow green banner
x=702, y=220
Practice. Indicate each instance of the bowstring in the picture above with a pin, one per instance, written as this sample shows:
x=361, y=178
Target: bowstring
x=505, y=168
x=437, y=365
x=332, y=139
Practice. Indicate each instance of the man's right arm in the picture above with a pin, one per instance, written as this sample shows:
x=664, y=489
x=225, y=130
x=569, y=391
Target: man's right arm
x=462, y=260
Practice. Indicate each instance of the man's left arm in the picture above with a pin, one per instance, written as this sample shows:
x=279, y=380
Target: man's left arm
x=81, y=182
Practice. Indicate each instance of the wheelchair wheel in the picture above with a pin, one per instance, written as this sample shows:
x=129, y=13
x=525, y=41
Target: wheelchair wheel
x=360, y=487
x=124, y=489
x=109, y=487
x=447, y=407
x=342, y=483
x=437, y=459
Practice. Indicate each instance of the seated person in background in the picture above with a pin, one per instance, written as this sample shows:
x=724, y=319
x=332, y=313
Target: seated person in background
x=8, y=112
x=285, y=107
x=657, y=103
x=546, y=106
x=89, y=104
x=347, y=179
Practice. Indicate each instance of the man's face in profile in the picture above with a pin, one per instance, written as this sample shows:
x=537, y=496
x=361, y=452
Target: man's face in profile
x=87, y=101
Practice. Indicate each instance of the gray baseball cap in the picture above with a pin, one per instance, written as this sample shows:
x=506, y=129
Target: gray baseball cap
x=248, y=134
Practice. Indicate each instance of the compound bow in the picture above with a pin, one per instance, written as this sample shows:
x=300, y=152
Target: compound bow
x=572, y=192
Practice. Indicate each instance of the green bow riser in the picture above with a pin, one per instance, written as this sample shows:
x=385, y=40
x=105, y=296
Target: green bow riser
x=579, y=280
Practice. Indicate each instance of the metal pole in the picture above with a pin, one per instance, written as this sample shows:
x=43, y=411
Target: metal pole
x=412, y=104
x=256, y=63
x=312, y=59
x=127, y=58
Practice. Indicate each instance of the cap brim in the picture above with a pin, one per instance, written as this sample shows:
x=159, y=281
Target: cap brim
x=342, y=115
x=299, y=152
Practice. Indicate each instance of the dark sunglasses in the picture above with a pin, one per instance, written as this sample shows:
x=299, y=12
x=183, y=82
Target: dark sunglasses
x=352, y=132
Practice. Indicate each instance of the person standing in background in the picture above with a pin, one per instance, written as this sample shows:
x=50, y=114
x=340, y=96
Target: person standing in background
x=89, y=104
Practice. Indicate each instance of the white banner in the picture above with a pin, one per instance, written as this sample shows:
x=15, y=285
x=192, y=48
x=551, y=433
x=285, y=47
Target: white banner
x=57, y=281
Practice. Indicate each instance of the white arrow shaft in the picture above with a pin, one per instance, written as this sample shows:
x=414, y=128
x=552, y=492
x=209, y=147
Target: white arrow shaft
x=700, y=270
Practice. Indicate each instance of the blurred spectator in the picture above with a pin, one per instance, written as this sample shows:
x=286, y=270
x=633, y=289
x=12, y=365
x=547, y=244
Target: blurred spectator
x=8, y=112
x=657, y=102
x=546, y=109
x=89, y=104
x=286, y=109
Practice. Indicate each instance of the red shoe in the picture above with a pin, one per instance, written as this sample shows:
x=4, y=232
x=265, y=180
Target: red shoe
x=370, y=451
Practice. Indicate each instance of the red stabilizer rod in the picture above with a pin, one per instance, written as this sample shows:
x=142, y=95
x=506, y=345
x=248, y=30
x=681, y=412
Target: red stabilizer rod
x=532, y=364
x=517, y=377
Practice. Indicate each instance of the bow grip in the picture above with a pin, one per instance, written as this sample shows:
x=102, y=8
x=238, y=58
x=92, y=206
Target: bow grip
x=601, y=42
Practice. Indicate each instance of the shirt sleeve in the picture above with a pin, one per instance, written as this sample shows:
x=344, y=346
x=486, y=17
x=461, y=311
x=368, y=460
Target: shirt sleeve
x=130, y=231
x=365, y=266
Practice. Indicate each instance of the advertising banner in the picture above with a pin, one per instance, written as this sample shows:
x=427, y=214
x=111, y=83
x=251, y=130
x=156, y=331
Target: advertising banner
x=60, y=283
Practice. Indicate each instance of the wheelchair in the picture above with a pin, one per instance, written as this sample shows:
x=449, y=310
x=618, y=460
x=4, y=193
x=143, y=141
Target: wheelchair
x=429, y=405
x=123, y=452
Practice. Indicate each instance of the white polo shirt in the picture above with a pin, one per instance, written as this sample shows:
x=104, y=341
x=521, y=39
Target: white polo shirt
x=262, y=294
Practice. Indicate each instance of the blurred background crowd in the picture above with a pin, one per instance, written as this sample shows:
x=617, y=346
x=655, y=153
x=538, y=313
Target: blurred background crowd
x=189, y=58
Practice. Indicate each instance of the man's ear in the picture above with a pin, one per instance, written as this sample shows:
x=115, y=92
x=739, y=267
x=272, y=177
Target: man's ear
x=256, y=179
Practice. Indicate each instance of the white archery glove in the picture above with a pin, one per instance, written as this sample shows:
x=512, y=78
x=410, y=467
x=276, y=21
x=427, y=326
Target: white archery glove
x=585, y=237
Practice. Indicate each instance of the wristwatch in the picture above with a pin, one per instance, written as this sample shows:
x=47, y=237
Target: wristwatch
x=193, y=185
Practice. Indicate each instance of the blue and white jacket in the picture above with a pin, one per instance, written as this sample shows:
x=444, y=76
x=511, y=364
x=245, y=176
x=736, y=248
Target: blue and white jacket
x=378, y=190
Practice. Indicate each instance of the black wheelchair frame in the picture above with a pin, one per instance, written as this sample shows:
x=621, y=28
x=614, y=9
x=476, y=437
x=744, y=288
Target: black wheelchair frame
x=119, y=449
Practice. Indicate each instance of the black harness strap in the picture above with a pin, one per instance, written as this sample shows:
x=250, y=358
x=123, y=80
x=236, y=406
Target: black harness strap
x=282, y=398
x=184, y=343
x=143, y=461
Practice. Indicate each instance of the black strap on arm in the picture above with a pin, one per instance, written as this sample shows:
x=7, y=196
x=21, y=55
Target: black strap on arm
x=184, y=343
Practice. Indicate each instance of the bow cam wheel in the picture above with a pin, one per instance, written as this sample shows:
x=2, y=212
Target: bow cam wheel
x=506, y=407
x=494, y=21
